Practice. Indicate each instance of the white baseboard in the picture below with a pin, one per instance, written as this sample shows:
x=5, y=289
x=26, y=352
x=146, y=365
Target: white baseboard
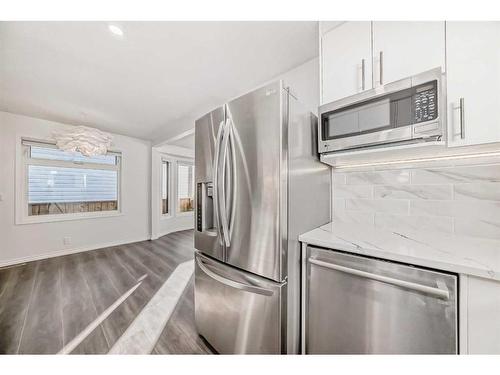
x=57, y=253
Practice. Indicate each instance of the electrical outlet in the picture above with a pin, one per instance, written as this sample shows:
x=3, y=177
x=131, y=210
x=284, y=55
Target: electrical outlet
x=67, y=240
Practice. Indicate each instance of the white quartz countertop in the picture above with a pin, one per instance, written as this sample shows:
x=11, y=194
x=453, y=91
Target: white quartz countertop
x=464, y=255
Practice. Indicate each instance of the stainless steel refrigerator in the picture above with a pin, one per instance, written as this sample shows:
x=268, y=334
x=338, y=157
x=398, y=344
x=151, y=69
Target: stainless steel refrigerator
x=259, y=184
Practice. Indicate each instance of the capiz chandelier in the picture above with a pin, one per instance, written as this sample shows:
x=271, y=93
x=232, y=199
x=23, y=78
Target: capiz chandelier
x=85, y=140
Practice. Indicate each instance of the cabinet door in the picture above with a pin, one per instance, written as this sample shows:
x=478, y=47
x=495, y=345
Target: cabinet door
x=403, y=49
x=345, y=50
x=483, y=314
x=473, y=75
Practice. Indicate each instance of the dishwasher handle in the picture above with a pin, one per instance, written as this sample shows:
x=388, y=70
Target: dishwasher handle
x=436, y=292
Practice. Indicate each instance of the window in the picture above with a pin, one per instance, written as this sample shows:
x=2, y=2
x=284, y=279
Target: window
x=185, y=187
x=165, y=183
x=59, y=182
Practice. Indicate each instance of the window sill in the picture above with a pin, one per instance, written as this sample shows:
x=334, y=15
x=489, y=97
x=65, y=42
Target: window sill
x=67, y=217
x=187, y=213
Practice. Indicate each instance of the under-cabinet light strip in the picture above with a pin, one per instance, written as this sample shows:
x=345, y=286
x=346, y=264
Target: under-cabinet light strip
x=420, y=160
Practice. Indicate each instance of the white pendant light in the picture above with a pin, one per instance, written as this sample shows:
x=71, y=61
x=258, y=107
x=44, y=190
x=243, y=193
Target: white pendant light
x=85, y=140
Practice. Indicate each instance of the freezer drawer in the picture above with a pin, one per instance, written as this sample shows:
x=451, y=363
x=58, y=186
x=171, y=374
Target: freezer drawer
x=358, y=305
x=237, y=312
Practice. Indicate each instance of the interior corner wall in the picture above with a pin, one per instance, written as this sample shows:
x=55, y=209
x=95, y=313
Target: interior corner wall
x=26, y=242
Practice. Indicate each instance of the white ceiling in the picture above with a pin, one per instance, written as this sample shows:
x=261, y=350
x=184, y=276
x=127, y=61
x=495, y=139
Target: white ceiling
x=151, y=82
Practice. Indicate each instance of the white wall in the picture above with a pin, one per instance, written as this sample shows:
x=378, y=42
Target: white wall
x=25, y=242
x=304, y=83
x=164, y=224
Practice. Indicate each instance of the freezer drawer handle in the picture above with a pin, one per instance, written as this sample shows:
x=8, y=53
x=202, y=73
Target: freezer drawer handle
x=232, y=283
x=436, y=292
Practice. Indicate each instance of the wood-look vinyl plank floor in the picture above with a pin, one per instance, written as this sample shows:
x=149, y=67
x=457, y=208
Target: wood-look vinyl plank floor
x=132, y=306
x=94, y=343
x=179, y=335
x=46, y=304
x=149, y=285
x=178, y=250
x=4, y=277
x=14, y=305
x=79, y=309
x=104, y=293
x=43, y=329
x=158, y=266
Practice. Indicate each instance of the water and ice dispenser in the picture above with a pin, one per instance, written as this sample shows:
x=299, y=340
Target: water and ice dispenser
x=205, y=207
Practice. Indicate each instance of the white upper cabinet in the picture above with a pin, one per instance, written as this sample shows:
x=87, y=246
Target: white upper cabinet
x=402, y=49
x=357, y=56
x=473, y=79
x=346, y=60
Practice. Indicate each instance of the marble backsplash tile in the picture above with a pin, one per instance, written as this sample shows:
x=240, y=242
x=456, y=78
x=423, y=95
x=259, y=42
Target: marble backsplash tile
x=357, y=217
x=463, y=198
x=379, y=178
x=478, y=191
x=477, y=227
x=452, y=175
x=441, y=192
x=353, y=191
x=394, y=206
x=415, y=223
x=488, y=210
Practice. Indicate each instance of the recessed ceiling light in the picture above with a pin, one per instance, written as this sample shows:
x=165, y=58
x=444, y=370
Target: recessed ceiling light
x=115, y=30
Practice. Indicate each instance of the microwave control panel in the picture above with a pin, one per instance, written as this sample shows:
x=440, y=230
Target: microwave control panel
x=425, y=103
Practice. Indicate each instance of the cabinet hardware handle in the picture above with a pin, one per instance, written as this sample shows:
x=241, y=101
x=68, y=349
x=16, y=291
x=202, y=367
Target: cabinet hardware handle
x=462, y=118
x=362, y=74
x=381, y=67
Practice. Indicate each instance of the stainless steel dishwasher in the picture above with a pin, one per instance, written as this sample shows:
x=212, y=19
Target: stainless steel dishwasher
x=354, y=304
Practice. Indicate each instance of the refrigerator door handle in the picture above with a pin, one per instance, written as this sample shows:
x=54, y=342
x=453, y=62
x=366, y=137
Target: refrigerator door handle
x=223, y=208
x=231, y=283
x=233, y=187
x=216, y=179
x=442, y=293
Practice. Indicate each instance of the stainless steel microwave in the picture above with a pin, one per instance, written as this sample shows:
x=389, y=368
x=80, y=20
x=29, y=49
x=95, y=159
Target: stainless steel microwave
x=406, y=111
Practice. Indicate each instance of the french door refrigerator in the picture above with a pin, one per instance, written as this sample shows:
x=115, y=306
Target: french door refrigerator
x=259, y=184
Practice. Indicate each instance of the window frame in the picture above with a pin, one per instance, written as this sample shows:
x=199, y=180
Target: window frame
x=170, y=164
x=177, y=210
x=25, y=160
